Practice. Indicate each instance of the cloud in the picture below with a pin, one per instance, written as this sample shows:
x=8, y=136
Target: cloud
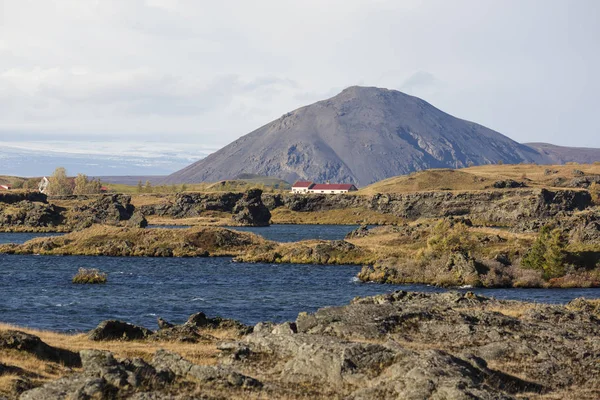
x=209, y=72
x=418, y=80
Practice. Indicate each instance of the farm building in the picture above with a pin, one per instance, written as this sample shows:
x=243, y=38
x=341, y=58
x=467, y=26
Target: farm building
x=302, y=186
x=332, y=188
x=43, y=185
x=325, y=188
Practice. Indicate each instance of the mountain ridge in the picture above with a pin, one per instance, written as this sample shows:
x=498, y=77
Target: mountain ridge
x=360, y=136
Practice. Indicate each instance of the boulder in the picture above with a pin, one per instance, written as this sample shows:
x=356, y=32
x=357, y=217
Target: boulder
x=21, y=341
x=251, y=211
x=137, y=220
x=361, y=231
x=118, y=330
x=508, y=184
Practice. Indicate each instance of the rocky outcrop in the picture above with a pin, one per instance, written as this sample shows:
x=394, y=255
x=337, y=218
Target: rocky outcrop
x=399, y=345
x=21, y=341
x=187, y=205
x=493, y=206
x=108, y=210
x=250, y=210
x=29, y=214
x=118, y=330
x=104, y=377
x=122, y=241
x=246, y=208
x=417, y=345
x=12, y=198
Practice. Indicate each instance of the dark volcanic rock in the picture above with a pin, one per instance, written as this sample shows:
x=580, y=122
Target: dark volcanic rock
x=22, y=341
x=508, y=184
x=250, y=210
x=361, y=231
x=12, y=198
x=103, y=377
x=188, y=205
x=137, y=220
x=31, y=214
x=118, y=330
x=108, y=209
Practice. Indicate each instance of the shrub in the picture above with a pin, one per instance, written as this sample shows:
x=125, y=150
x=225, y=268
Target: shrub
x=448, y=238
x=59, y=184
x=89, y=276
x=547, y=253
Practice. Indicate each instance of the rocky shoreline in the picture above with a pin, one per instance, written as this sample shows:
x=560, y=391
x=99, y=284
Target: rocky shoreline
x=406, y=345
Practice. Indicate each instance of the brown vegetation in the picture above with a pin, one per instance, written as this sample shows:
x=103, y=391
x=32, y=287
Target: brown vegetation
x=477, y=178
x=115, y=241
x=89, y=276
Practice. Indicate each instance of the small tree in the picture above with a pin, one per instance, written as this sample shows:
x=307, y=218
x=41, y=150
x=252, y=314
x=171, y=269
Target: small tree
x=81, y=184
x=148, y=187
x=183, y=187
x=84, y=186
x=59, y=184
x=140, y=187
x=547, y=253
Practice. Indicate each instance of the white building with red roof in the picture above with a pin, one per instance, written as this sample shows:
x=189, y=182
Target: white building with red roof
x=332, y=188
x=302, y=186
x=324, y=188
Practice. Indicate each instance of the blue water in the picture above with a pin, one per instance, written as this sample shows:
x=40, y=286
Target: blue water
x=281, y=233
x=36, y=291
x=295, y=233
x=19, y=237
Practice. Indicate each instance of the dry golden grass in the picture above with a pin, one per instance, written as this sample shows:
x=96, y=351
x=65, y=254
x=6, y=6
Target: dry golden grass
x=350, y=216
x=118, y=241
x=477, y=178
x=211, y=218
x=39, y=371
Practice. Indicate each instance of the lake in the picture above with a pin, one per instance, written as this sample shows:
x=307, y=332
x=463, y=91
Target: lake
x=36, y=291
x=22, y=237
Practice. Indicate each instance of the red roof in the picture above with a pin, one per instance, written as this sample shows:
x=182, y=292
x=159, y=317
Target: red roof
x=302, y=184
x=333, y=186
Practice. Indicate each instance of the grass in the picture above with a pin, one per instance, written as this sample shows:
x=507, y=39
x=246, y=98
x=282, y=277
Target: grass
x=477, y=178
x=349, y=216
x=117, y=241
x=40, y=371
x=89, y=276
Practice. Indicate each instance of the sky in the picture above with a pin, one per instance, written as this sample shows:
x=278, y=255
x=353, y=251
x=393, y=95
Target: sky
x=186, y=77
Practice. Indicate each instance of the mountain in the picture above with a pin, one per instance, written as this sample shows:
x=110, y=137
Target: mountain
x=360, y=136
x=561, y=155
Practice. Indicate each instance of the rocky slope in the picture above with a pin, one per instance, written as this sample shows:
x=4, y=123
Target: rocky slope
x=400, y=345
x=561, y=154
x=362, y=135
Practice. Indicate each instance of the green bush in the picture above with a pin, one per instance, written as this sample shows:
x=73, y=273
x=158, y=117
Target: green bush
x=548, y=253
x=449, y=238
x=89, y=276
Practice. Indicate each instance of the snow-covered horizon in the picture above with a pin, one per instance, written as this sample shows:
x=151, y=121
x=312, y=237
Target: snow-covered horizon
x=97, y=158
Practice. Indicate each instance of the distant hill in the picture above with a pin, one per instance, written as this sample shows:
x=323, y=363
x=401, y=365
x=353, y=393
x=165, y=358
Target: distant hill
x=561, y=155
x=362, y=135
x=483, y=177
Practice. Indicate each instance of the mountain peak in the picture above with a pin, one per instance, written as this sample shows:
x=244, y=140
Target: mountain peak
x=361, y=135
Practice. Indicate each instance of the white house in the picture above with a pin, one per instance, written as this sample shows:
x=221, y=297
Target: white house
x=332, y=188
x=326, y=188
x=302, y=186
x=43, y=186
